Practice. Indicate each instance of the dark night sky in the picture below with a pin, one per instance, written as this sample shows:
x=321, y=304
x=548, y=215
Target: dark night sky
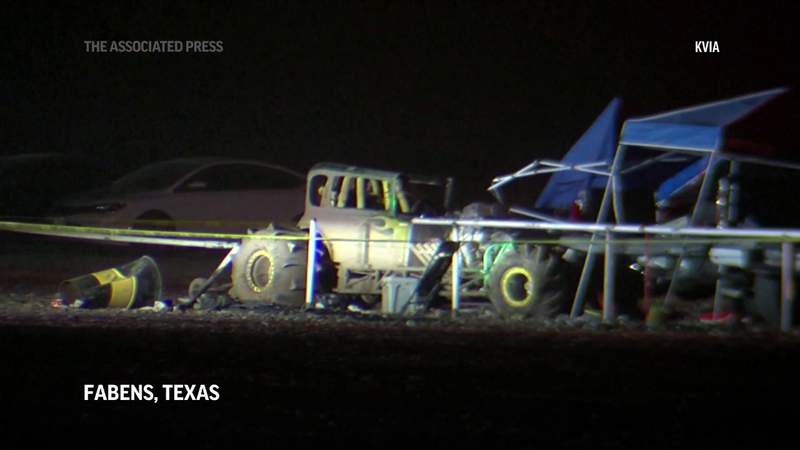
x=469, y=88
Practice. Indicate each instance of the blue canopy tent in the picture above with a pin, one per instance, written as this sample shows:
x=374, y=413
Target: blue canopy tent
x=586, y=167
x=687, y=141
x=690, y=175
x=700, y=129
x=757, y=128
x=724, y=128
x=661, y=154
x=597, y=144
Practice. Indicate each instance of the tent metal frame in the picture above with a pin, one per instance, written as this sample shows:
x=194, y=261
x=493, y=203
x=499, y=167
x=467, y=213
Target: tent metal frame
x=603, y=231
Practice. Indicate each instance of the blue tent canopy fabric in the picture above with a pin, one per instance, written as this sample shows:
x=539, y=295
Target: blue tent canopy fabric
x=700, y=128
x=685, y=177
x=597, y=144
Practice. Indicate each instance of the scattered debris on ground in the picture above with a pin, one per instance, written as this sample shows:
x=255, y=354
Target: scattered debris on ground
x=218, y=310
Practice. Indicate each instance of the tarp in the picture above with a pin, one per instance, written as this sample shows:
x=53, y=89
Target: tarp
x=597, y=144
x=726, y=125
x=700, y=128
x=690, y=175
x=758, y=124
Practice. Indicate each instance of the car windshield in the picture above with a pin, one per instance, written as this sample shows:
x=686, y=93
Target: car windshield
x=154, y=177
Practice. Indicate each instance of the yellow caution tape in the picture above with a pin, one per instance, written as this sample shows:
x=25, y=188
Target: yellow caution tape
x=227, y=240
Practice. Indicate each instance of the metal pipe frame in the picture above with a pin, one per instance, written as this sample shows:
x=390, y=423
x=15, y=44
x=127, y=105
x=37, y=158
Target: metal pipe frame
x=609, y=281
x=534, y=215
x=702, y=195
x=758, y=161
x=455, y=283
x=792, y=234
x=787, y=285
x=551, y=167
x=214, y=275
x=589, y=261
x=665, y=157
x=311, y=262
x=610, y=266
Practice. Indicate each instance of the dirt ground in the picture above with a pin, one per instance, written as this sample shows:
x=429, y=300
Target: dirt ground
x=289, y=377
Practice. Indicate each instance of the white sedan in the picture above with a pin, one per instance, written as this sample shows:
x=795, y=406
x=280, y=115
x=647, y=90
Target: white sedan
x=200, y=194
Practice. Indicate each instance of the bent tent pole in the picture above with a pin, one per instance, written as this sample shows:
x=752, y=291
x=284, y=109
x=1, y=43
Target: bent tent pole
x=705, y=189
x=588, y=262
x=602, y=215
x=610, y=266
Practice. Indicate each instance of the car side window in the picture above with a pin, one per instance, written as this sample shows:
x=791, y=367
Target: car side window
x=239, y=177
x=205, y=180
x=251, y=177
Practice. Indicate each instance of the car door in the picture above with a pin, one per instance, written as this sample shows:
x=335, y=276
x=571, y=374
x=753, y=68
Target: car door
x=237, y=196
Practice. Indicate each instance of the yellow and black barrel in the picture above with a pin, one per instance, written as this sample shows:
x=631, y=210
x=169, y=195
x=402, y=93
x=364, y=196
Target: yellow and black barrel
x=131, y=285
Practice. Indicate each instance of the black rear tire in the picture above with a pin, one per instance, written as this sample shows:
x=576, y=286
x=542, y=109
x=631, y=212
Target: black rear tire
x=530, y=282
x=270, y=270
x=274, y=270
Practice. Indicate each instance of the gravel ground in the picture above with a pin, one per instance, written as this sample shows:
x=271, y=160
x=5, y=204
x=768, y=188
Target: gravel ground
x=291, y=377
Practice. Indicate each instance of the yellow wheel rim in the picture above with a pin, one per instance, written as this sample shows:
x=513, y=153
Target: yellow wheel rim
x=517, y=286
x=260, y=270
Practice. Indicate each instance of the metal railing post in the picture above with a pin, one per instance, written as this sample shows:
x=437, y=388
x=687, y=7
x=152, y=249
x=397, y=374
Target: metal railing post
x=787, y=285
x=456, y=278
x=311, y=262
x=609, y=277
